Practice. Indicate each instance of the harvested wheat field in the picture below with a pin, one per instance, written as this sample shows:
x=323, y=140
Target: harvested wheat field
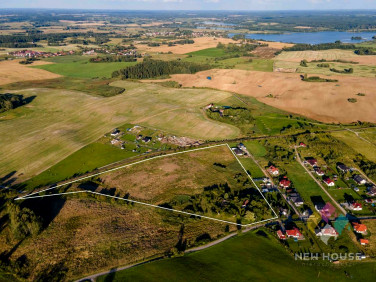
x=323, y=101
x=335, y=54
x=13, y=71
x=200, y=43
x=276, y=45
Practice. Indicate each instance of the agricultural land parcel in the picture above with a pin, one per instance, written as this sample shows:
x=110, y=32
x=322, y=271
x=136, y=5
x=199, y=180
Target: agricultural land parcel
x=51, y=131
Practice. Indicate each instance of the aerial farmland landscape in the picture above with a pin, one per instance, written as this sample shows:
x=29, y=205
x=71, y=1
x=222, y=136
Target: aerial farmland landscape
x=163, y=140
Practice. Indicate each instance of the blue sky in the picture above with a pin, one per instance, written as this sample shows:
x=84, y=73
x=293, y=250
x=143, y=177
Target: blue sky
x=193, y=4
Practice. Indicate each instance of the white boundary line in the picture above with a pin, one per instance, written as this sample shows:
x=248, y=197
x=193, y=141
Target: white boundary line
x=30, y=196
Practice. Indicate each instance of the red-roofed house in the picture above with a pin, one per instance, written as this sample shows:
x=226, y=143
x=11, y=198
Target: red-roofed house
x=360, y=228
x=285, y=183
x=280, y=235
x=294, y=233
x=363, y=242
x=329, y=181
x=356, y=206
x=312, y=162
x=301, y=144
x=319, y=172
x=273, y=170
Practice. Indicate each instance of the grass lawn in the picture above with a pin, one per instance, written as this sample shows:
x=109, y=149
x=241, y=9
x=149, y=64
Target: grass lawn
x=59, y=122
x=361, y=146
x=265, y=65
x=210, y=52
x=252, y=168
x=305, y=185
x=88, y=158
x=255, y=148
x=244, y=258
x=84, y=69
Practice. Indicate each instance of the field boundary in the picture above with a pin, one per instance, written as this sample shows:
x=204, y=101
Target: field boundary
x=35, y=194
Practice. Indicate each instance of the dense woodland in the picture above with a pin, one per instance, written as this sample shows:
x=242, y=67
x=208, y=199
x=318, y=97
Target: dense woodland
x=156, y=68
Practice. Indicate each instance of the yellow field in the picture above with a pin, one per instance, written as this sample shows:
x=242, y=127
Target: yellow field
x=322, y=101
x=59, y=122
x=336, y=54
x=200, y=43
x=13, y=71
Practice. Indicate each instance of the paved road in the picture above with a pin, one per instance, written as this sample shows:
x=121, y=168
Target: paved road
x=318, y=182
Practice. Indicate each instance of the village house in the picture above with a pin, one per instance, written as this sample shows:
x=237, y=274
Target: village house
x=146, y=139
x=273, y=170
x=285, y=183
x=319, y=172
x=360, y=228
x=371, y=191
x=238, y=151
x=329, y=182
x=280, y=235
x=301, y=144
x=356, y=206
x=115, y=132
x=319, y=206
x=364, y=242
x=312, y=162
x=294, y=233
x=327, y=230
x=359, y=179
x=342, y=167
x=296, y=199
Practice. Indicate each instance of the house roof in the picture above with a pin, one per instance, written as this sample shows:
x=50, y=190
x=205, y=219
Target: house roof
x=358, y=227
x=328, y=180
x=280, y=234
x=293, y=232
x=273, y=168
x=364, y=241
x=356, y=205
x=312, y=161
x=285, y=183
x=328, y=230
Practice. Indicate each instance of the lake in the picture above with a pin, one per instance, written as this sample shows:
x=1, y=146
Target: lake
x=312, y=37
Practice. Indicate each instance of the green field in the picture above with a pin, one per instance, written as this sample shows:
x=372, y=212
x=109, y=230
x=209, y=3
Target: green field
x=52, y=130
x=359, y=145
x=255, y=148
x=253, y=169
x=210, y=52
x=244, y=258
x=81, y=67
x=88, y=158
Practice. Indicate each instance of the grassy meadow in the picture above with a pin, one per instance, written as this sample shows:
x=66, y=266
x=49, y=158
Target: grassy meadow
x=357, y=144
x=239, y=259
x=52, y=131
x=85, y=234
x=80, y=67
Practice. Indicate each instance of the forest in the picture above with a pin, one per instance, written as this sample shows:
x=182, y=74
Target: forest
x=157, y=68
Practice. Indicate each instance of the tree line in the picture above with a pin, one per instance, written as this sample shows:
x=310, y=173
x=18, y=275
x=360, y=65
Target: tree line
x=110, y=59
x=156, y=68
x=317, y=47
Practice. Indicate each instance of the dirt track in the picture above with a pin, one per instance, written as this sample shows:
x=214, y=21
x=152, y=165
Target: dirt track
x=323, y=101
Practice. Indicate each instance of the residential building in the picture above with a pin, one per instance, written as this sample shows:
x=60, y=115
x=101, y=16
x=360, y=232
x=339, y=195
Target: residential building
x=359, y=179
x=280, y=235
x=329, y=182
x=342, y=167
x=327, y=230
x=273, y=170
x=360, y=228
